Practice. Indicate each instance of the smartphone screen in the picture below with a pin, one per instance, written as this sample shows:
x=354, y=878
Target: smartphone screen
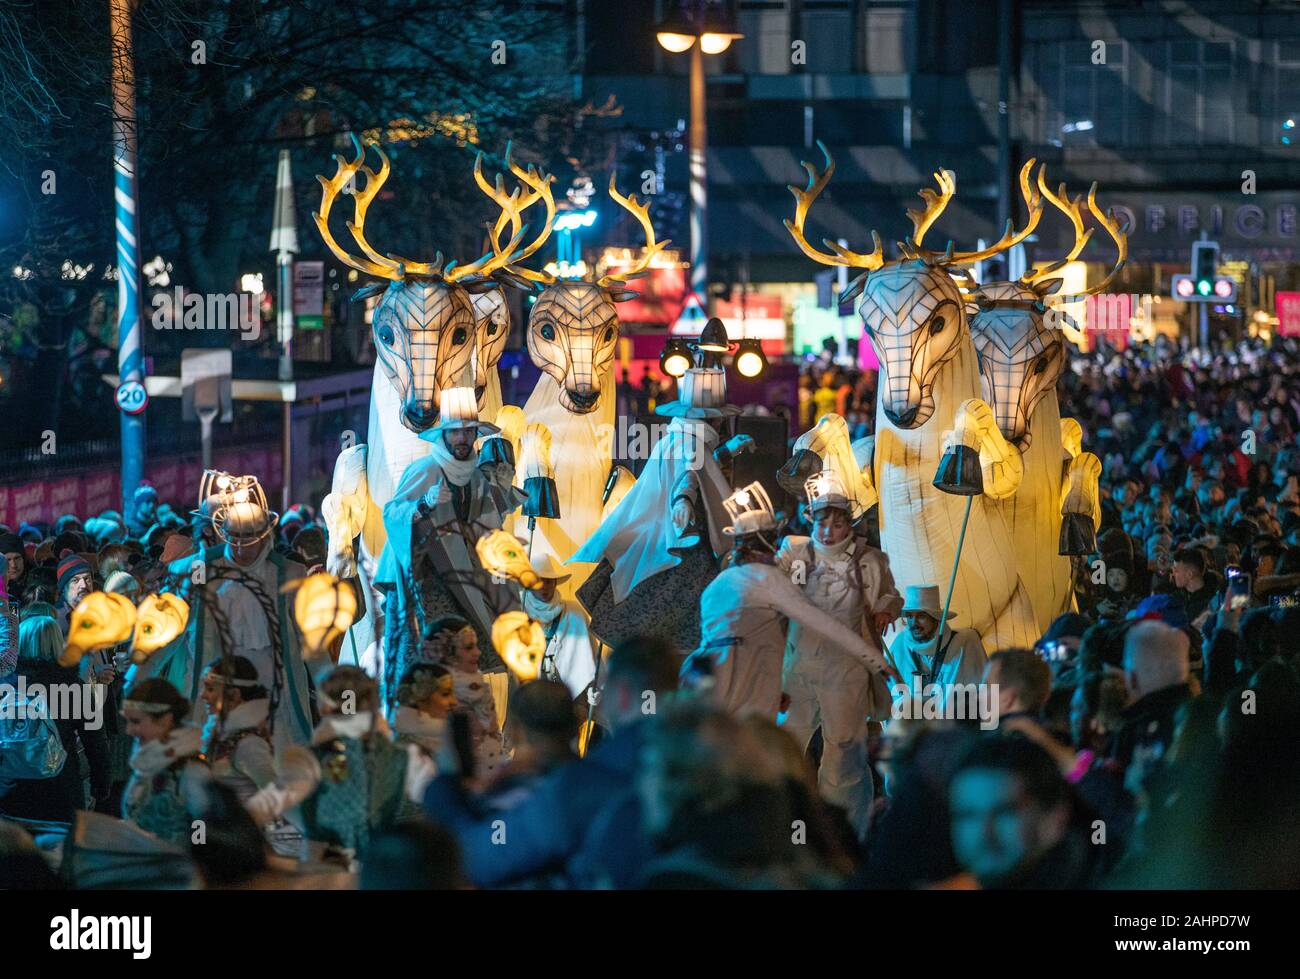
x=1239, y=591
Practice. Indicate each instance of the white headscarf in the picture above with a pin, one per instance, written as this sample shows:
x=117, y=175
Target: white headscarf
x=457, y=471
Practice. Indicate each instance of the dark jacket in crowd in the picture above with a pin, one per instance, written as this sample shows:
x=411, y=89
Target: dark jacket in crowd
x=1148, y=729
x=57, y=799
x=546, y=832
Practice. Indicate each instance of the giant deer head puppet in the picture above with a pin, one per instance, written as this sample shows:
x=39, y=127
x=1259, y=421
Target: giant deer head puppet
x=912, y=309
x=424, y=326
x=1021, y=349
x=573, y=328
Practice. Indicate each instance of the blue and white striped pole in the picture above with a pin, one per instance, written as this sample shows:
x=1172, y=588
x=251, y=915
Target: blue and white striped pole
x=130, y=357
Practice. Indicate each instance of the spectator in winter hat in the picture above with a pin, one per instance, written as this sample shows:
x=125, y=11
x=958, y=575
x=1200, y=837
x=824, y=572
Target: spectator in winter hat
x=74, y=583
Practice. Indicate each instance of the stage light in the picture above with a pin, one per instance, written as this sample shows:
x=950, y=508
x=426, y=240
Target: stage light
x=676, y=358
x=713, y=338
x=750, y=360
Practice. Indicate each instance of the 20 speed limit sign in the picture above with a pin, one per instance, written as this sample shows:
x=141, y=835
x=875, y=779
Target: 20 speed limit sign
x=132, y=398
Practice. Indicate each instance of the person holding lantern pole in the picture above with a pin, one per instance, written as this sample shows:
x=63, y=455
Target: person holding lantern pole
x=429, y=569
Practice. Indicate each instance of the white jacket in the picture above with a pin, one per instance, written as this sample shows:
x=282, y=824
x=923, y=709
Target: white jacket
x=743, y=615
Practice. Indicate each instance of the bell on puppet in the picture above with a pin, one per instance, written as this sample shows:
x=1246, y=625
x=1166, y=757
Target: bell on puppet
x=159, y=619
x=799, y=468
x=324, y=609
x=237, y=507
x=959, y=471
x=504, y=446
x=521, y=643
x=505, y=556
x=539, y=476
x=100, y=620
x=1078, y=534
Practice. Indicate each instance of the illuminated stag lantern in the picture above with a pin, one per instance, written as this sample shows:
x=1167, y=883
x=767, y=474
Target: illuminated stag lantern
x=426, y=336
x=521, y=643
x=1022, y=352
x=914, y=315
x=572, y=337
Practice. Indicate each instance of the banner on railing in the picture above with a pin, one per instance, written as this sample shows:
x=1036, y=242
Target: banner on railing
x=90, y=493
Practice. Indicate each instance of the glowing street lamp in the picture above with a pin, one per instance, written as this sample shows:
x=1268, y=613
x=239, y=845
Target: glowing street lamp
x=706, y=23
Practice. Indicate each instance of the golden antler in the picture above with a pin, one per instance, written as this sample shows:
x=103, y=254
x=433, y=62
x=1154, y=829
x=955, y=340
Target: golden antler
x=374, y=264
x=1072, y=209
x=934, y=205
x=1010, y=237
x=1107, y=221
x=803, y=200
x=390, y=266
x=539, y=184
x=642, y=213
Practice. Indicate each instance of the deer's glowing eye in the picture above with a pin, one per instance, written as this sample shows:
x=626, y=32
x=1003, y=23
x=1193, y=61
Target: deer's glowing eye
x=548, y=332
x=609, y=334
x=459, y=336
x=386, y=335
x=936, y=326
x=491, y=329
x=1040, y=365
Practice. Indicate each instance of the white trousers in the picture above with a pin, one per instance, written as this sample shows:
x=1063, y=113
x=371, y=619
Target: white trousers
x=830, y=689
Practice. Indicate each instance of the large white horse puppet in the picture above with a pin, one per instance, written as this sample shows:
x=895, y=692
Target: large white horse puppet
x=425, y=335
x=572, y=335
x=915, y=316
x=1057, y=509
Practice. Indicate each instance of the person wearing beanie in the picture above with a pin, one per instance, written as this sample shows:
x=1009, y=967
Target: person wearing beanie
x=74, y=583
x=144, y=509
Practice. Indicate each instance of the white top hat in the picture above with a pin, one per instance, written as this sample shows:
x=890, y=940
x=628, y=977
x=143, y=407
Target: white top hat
x=458, y=408
x=826, y=489
x=924, y=598
x=751, y=511
x=545, y=566
x=701, y=393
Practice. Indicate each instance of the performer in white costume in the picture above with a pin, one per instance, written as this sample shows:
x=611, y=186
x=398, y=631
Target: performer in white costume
x=850, y=582
x=571, y=649
x=660, y=546
x=922, y=657
x=442, y=506
x=743, y=616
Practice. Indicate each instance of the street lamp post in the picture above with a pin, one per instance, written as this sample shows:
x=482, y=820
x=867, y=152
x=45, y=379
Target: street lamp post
x=698, y=27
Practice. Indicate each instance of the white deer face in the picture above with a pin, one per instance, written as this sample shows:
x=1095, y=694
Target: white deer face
x=916, y=319
x=1020, y=357
x=424, y=338
x=492, y=324
x=572, y=334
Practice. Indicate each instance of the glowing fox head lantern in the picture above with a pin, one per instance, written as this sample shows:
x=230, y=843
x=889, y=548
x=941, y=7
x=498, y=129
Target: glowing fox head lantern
x=521, y=644
x=100, y=620
x=159, y=619
x=912, y=309
x=324, y=609
x=505, y=556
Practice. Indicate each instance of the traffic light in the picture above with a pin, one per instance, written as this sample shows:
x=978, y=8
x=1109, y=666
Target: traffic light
x=1205, y=258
